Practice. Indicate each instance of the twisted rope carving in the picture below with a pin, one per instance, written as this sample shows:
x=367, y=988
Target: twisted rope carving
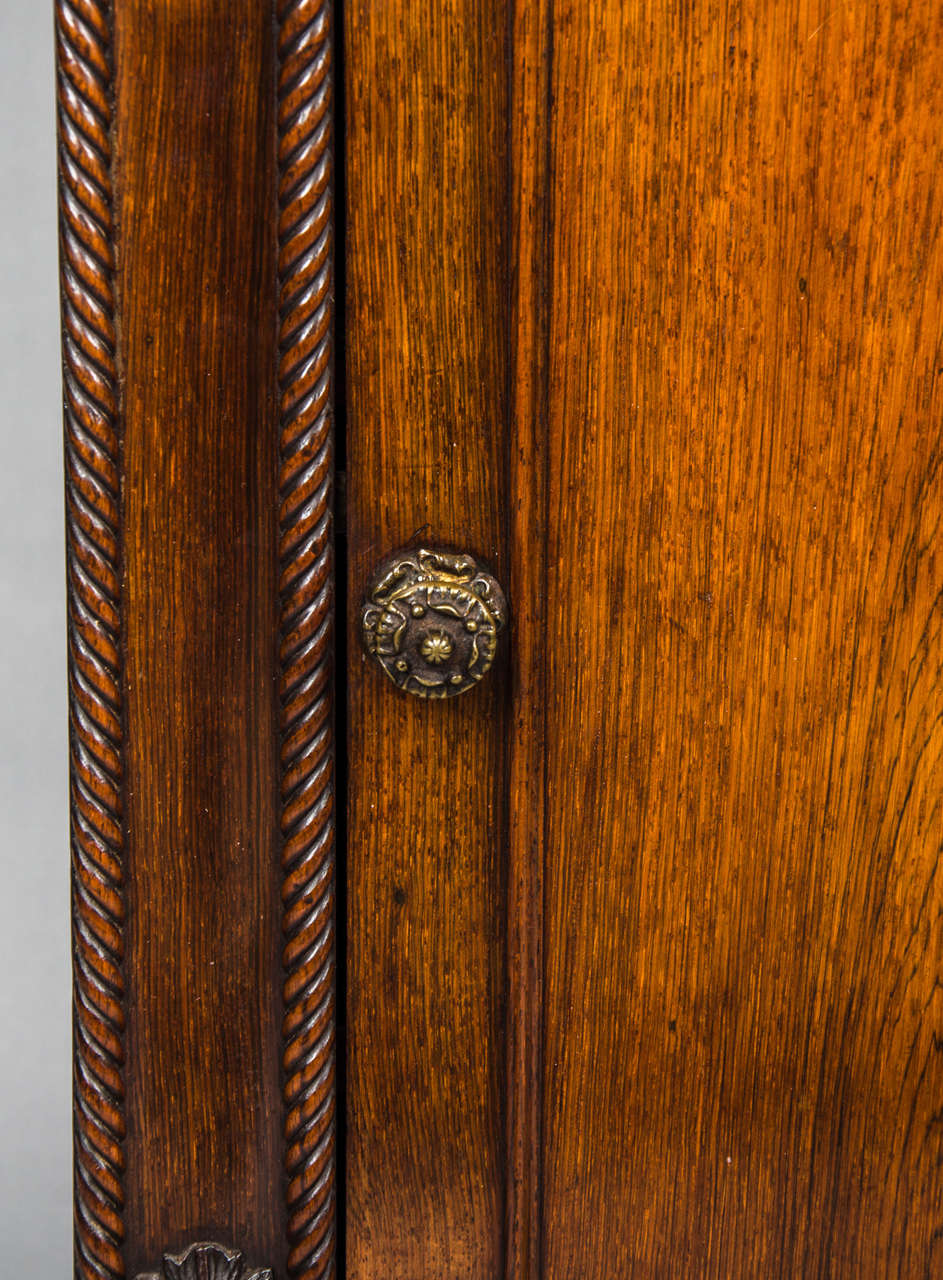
x=306, y=602
x=92, y=462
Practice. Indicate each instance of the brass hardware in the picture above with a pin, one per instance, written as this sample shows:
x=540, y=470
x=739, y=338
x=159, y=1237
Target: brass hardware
x=431, y=620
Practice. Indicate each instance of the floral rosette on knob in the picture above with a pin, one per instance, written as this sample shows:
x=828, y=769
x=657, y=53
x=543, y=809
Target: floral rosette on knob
x=431, y=620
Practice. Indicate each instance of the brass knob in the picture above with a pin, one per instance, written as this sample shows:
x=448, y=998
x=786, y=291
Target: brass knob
x=431, y=620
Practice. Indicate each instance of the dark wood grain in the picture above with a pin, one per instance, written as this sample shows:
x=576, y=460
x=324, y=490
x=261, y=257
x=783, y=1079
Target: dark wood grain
x=529, y=196
x=426, y=335
x=195, y=107
x=91, y=411
x=197, y=224
x=743, y=1065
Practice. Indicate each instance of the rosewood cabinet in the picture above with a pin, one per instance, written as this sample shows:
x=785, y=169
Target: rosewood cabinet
x=598, y=344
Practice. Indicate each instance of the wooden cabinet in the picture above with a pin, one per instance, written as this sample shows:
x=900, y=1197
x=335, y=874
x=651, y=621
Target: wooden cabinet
x=625, y=962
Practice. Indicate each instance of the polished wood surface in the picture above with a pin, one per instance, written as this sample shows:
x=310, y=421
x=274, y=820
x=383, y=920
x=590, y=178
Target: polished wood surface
x=426, y=393
x=719, y=323
x=529, y=205
x=195, y=145
x=92, y=454
x=197, y=281
x=643, y=934
x=742, y=1066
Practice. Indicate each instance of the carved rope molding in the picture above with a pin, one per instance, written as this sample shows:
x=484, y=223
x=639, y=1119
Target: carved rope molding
x=306, y=606
x=93, y=549
x=306, y=597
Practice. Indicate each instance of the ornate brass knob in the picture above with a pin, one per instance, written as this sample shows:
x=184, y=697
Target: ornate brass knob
x=431, y=619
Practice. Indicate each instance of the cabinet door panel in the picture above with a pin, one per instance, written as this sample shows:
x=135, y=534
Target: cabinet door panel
x=742, y=936
x=713, y=485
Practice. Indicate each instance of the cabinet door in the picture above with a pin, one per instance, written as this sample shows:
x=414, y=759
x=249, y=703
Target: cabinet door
x=644, y=933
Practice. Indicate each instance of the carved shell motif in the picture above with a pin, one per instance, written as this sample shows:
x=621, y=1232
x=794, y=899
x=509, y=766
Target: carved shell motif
x=205, y=1261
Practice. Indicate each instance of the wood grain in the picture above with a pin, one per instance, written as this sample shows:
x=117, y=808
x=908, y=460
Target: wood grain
x=644, y=936
x=196, y=209
x=530, y=202
x=426, y=335
x=197, y=223
x=745, y=706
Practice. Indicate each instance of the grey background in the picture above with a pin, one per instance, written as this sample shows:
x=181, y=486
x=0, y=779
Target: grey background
x=35, y=1126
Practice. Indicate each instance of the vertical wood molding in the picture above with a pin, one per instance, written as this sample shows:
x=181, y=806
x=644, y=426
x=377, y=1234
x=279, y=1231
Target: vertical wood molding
x=306, y=607
x=93, y=532
x=529, y=177
x=303, y=601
